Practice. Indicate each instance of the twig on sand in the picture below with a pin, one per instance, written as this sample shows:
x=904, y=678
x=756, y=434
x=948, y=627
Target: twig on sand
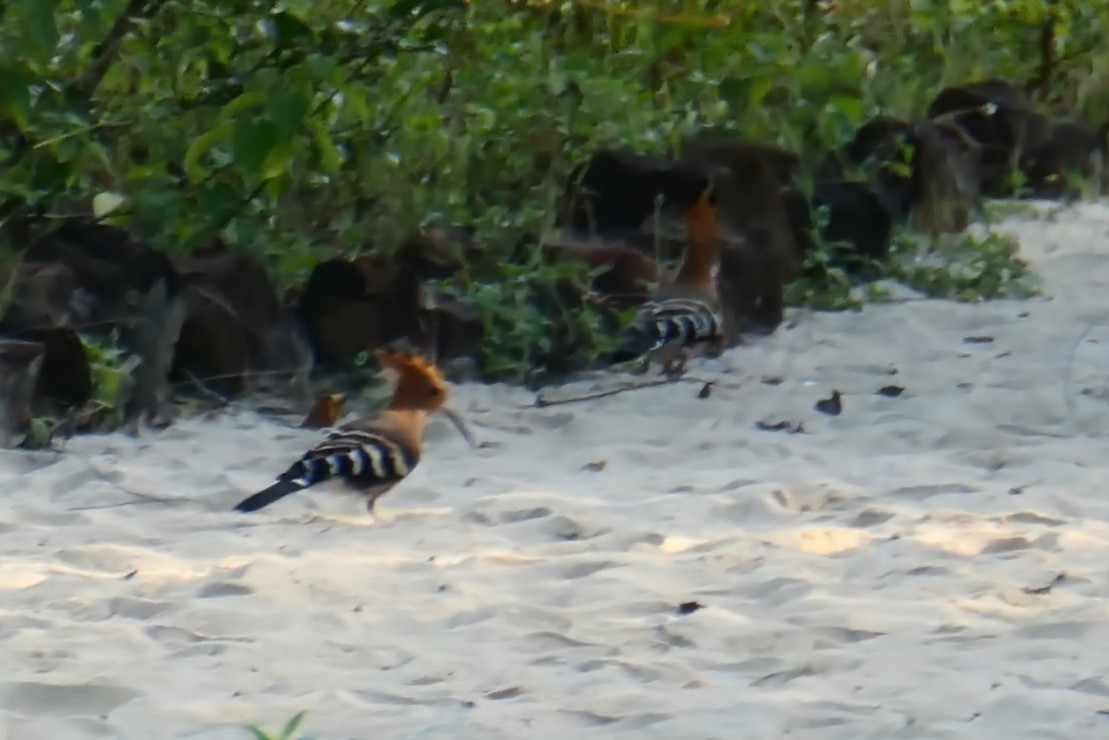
x=220, y=399
x=542, y=403
x=120, y=504
x=139, y=496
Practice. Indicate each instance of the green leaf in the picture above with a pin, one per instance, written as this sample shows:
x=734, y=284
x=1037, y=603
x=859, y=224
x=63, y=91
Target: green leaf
x=96, y=151
x=106, y=202
x=277, y=184
x=52, y=177
x=252, y=141
x=293, y=724
x=196, y=36
x=241, y=103
x=289, y=28
x=15, y=93
x=732, y=90
x=322, y=66
x=15, y=186
x=39, y=30
x=278, y=159
x=849, y=107
x=201, y=146
x=214, y=200
x=288, y=109
x=330, y=157
x=246, y=231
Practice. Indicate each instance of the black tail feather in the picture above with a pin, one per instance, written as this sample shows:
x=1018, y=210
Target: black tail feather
x=279, y=490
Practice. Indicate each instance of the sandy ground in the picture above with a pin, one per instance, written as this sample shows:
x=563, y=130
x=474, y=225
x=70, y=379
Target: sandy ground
x=929, y=566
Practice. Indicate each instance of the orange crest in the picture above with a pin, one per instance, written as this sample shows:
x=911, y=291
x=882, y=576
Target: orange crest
x=418, y=382
x=700, y=219
x=406, y=363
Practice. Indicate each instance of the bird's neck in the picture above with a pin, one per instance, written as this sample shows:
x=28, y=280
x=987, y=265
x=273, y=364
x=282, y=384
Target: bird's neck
x=408, y=423
x=703, y=242
x=698, y=268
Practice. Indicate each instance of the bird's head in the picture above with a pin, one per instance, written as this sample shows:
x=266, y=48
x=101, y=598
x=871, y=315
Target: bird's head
x=420, y=387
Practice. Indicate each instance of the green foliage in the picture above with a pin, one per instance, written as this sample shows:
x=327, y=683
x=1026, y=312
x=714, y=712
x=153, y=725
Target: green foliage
x=111, y=378
x=529, y=314
x=287, y=733
x=302, y=129
x=967, y=268
x=111, y=388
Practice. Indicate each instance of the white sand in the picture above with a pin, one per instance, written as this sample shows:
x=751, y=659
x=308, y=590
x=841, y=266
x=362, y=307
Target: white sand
x=865, y=580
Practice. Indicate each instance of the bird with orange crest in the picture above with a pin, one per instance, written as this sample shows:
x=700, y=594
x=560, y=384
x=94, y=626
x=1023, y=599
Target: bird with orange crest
x=373, y=454
x=684, y=310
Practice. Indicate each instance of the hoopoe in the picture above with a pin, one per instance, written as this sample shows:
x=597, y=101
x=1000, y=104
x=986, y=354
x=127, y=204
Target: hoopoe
x=374, y=454
x=684, y=309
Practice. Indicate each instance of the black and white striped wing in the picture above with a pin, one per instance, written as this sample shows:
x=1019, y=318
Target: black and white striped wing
x=369, y=460
x=361, y=457
x=682, y=320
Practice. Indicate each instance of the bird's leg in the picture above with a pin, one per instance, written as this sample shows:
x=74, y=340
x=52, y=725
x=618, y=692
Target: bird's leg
x=380, y=520
x=674, y=367
x=669, y=354
x=373, y=494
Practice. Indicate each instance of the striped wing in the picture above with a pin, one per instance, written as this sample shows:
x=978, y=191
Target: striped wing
x=370, y=460
x=683, y=320
x=362, y=457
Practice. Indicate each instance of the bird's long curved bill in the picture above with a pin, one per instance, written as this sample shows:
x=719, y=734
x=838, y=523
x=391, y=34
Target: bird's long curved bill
x=460, y=425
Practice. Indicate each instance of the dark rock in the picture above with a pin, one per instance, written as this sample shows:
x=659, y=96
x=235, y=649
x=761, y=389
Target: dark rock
x=234, y=323
x=1071, y=148
x=347, y=330
x=751, y=284
x=856, y=216
x=616, y=190
x=20, y=363
x=453, y=334
x=879, y=143
x=929, y=172
x=947, y=177
x=106, y=284
x=339, y=318
x=996, y=115
x=749, y=193
x=111, y=267
x=66, y=374
x=624, y=275
x=738, y=154
x=213, y=345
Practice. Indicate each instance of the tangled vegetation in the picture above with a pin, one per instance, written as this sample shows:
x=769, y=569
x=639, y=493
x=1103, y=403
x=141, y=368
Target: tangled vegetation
x=304, y=129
